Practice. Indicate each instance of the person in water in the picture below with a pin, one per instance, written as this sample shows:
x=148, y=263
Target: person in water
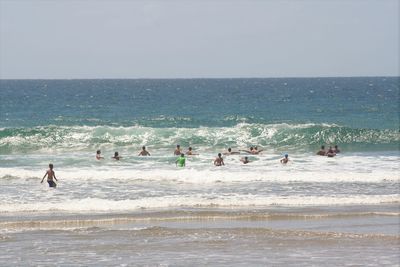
x=330, y=152
x=285, y=159
x=50, y=175
x=144, y=152
x=252, y=150
x=116, y=156
x=177, y=150
x=181, y=161
x=336, y=150
x=219, y=161
x=245, y=160
x=230, y=152
x=98, y=155
x=322, y=151
x=190, y=152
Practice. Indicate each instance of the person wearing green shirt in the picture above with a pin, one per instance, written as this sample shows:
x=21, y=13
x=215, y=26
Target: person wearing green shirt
x=181, y=161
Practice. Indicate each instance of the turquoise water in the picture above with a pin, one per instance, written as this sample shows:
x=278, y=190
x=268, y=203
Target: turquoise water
x=146, y=211
x=357, y=113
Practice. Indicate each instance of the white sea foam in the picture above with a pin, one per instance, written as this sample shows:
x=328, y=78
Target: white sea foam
x=206, y=175
x=106, y=205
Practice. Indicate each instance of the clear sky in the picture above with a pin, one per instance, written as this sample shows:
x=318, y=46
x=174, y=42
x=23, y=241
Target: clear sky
x=191, y=39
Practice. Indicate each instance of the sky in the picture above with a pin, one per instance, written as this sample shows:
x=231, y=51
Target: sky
x=198, y=39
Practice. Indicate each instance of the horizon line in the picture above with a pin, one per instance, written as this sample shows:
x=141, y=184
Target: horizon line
x=209, y=78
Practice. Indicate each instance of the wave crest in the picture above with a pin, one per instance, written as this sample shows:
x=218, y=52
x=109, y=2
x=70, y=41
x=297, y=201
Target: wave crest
x=279, y=136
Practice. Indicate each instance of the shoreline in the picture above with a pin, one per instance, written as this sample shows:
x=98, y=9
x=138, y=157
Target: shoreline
x=371, y=219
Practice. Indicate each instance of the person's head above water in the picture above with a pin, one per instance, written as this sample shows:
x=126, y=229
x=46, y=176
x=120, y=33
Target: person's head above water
x=143, y=147
x=116, y=154
x=229, y=149
x=322, y=147
x=190, y=148
x=51, y=166
x=286, y=155
x=219, y=154
x=98, y=152
x=182, y=155
x=178, y=146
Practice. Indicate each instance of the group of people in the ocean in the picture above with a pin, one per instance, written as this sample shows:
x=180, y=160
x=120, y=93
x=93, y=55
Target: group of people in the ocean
x=181, y=160
x=331, y=152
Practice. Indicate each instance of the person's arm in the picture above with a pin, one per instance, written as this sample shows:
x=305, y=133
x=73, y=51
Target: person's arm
x=44, y=177
x=148, y=154
x=54, y=175
x=222, y=162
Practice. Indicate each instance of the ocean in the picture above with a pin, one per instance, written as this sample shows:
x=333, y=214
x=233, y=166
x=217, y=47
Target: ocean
x=145, y=211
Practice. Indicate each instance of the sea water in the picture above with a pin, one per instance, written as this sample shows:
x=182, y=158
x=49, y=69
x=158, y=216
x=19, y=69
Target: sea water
x=314, y=210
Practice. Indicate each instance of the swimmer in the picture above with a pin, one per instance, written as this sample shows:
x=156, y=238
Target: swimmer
x=245, y=160
x=230, y=152
x=116, y=156
x=190, y=152
x=177, y=151
x=336, y=150
x=50, y=175
x=285, y=159
x=181, y=161
x=219, y=161
x=322, y=151
x=98, y=155
x=144, y=152
x=250, y=151
x=330, y=152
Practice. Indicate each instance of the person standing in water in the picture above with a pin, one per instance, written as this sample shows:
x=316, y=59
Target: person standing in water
x=116, y=156
x=322, y=151
x=219, y=161
x=177, y=151
x=98, y=155
x=144, y=152
x=181, y=161
x=50, y=175
x=285, y=159
x=190, y=152
x=245, y=160
x=330, y=152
